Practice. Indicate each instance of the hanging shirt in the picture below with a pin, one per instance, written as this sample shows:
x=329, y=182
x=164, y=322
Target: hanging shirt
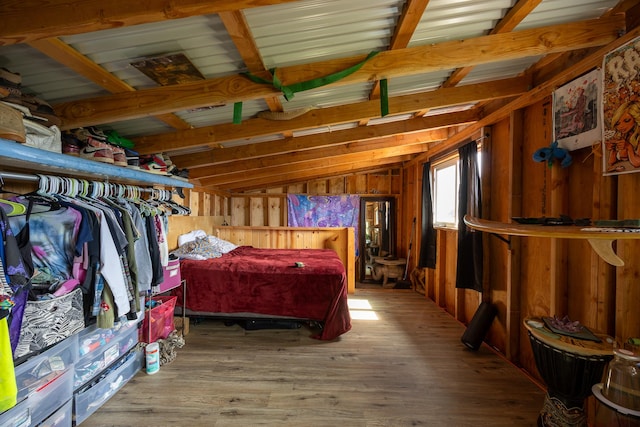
x=161, y=235
x=53, y=237
x=110, y=267
x=141, y=248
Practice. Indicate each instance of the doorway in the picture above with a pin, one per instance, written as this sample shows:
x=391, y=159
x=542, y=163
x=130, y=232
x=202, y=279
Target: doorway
x=377, y=232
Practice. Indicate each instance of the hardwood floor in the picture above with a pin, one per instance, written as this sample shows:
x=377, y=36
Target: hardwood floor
x=408, y=368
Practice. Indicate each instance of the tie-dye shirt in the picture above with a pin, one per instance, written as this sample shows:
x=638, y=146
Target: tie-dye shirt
x=53, y=236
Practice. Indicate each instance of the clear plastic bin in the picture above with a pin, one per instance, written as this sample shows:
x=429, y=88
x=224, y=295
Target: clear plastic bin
x=18, y=416
x=41, y=369
x=89, y=398
x=99, y=348
x=63, y=417
x=50, y=397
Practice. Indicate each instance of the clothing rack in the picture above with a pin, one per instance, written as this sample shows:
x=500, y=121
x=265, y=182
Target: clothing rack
x=50, y=185
x=35, y=159
x=16, y=176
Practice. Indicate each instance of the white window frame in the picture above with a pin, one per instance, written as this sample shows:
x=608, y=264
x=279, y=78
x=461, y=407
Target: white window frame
x=443, y=190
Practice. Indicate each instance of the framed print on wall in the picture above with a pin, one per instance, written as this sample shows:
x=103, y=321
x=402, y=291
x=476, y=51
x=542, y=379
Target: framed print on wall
x=577, y=111
x=621, y=109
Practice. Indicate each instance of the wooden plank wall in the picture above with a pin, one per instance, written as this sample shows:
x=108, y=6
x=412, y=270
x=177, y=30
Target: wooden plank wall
x=538, y=276
x=269, y=208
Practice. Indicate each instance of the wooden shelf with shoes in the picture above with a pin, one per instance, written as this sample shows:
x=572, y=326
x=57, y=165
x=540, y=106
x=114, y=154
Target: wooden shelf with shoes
x=19, y=157
x=600, y=238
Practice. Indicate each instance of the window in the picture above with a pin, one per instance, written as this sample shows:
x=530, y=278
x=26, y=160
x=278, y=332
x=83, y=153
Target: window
x=446, y=178
x=445, y=197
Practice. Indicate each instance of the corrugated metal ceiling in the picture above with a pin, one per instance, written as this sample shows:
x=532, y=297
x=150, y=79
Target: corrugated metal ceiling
x=286, y=34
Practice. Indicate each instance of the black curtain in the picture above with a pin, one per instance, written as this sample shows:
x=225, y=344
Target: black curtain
x=427, y=257
x=469, y=265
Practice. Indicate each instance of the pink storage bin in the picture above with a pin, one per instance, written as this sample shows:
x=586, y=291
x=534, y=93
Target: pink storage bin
x=171, y=276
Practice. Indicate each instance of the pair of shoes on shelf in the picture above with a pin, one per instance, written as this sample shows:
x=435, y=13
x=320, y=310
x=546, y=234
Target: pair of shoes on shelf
x=94, y=149
x=119, y=154
x=172, y=169
x=71, y=145
x=161, y=164
x=94, y=145
x=133, y=158
x=153, y=163
x=182, y=174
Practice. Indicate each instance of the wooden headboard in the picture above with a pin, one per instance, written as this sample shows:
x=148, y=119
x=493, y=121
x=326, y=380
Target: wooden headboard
x=340, y=239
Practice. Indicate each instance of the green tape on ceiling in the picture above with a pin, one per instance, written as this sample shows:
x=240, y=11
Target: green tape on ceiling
x=237, y=113
x=384, y=98
x=290, y=90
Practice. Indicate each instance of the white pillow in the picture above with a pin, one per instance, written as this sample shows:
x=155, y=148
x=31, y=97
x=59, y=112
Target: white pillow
x=191, y=236
x=220, y=244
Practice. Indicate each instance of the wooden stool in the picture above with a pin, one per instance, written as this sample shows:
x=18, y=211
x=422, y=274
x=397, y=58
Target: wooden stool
x=388, y=269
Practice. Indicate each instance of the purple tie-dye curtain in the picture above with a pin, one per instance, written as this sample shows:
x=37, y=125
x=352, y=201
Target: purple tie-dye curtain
x=324, y=211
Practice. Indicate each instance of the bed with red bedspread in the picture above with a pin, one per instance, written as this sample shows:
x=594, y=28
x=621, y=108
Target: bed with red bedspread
x=266, y=282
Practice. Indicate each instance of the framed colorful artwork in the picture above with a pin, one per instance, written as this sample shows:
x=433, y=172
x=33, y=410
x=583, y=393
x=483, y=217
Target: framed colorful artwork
x=577, y=111
x=621, y=109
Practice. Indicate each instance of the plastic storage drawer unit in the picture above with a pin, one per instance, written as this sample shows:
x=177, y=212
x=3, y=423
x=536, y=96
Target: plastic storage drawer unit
x=18, y=416
x=90, y=397
x=99, y=348
x=63, y=417
x=40, y=370
x=41, y=403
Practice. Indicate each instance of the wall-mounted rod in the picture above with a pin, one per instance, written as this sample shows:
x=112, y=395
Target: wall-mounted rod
x=14, y=176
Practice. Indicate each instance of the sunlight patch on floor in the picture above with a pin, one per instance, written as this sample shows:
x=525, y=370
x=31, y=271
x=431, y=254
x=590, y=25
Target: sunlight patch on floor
x=361, y=309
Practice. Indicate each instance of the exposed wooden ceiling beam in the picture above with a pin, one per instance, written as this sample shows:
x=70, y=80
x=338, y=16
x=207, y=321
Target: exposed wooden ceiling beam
x=508, y=23
x=284, y=175
x=328, y=173
x=550, y=65
x=515, y=15
x=326, y=155
x=218, y=134
x=535, y=95
x=239, y=31
x=71, y=58
x=56, y=18
x=421, y=59
x=407, y=23
x=408, y=131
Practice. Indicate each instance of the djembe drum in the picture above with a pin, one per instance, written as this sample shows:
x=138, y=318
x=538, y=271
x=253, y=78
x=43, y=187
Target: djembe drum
x=569, y=367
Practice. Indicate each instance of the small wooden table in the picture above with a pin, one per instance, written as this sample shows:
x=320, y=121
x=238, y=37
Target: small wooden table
x=387, y=268
x=569, y=367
